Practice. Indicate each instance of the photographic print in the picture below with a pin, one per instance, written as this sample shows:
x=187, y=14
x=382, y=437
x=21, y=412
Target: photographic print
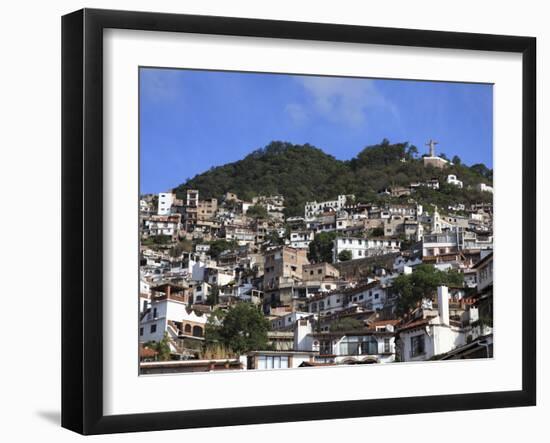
x=299, y=221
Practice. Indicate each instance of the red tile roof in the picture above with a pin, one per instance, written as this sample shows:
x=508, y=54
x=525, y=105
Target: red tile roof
x=416, y=324
x=147, y=352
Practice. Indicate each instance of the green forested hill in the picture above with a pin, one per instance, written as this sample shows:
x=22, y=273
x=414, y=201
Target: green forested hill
x=303, y=173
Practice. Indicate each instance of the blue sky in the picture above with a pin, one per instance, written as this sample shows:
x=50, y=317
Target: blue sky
x=191, y=120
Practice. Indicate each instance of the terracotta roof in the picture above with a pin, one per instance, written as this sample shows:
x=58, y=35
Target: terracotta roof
x=147, y=352
x=416, y=324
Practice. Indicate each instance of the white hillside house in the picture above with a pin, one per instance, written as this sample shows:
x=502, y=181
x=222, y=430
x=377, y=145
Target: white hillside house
x=170, y=314
x=431, y=335
x=165, y=202
x=372, y=345
x=453, y=180
x=287, y=322
x=363, y=247
x=314, y=208
x=301, y=239
x=482, y=187
x=162, y=225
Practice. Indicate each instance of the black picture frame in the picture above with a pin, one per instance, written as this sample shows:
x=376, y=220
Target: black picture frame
x=82, y=189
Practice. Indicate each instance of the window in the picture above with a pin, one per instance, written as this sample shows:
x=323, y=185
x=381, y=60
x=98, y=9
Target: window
x=417, y=345
x=155, y=313
x=325, y=348
x=197, y=331
x=272, y=362
x=153, y=329
x=361, y=297
x=369, y=346
x=376, y=296
x=349, y=346
x=387, y=345
x=319, y=271
x=141, y=331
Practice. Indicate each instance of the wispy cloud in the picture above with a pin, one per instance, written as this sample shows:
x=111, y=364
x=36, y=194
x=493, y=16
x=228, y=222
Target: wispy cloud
x=297, y=113
x=340, y=100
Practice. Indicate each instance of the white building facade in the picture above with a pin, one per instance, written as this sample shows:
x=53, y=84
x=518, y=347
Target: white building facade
x=453, y=180
x=363, y=247
x=314, y=208
x=165, y=202
x=482, y=187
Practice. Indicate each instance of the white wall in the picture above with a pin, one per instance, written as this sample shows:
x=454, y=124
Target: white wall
x=165, y=200
x=30, y=111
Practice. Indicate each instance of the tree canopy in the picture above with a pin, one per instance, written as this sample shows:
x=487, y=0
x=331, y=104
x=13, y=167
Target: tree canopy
x=346, y=324
x=242, y=329
x=345, y=255
x=162, y=348
x=320, y=248
x=218, y=246
x=305, y=173
x=422, y=283
x=257, y=211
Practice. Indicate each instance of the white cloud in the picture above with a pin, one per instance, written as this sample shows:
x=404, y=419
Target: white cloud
x=343, y=100
x=298, y=113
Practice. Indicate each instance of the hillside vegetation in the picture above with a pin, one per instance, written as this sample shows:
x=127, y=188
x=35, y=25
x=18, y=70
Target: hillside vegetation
x=304, y=173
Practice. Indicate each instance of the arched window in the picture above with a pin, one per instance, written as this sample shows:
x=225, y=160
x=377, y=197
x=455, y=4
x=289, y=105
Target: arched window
x=197, y=331
x=187, y=329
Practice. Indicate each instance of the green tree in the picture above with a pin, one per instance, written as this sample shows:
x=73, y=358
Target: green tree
x=377, y=232
x=218, y=246
x=181, y=247
x=162, y=347
x=212, y=335
x=257, y=211
x=483, y=170
x=456, y=160
x=382, y=154
x=422, y=283
x=242, y=329
x=213, y=298
x=406, y=242
x=304, y=173
x=320, y=248
x=412, y=152
x=274, y=239
x=157, y=240
x=345, y=255
x=346, y=324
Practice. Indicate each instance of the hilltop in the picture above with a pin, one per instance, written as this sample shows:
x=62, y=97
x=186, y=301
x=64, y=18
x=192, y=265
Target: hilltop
x=303, y=173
